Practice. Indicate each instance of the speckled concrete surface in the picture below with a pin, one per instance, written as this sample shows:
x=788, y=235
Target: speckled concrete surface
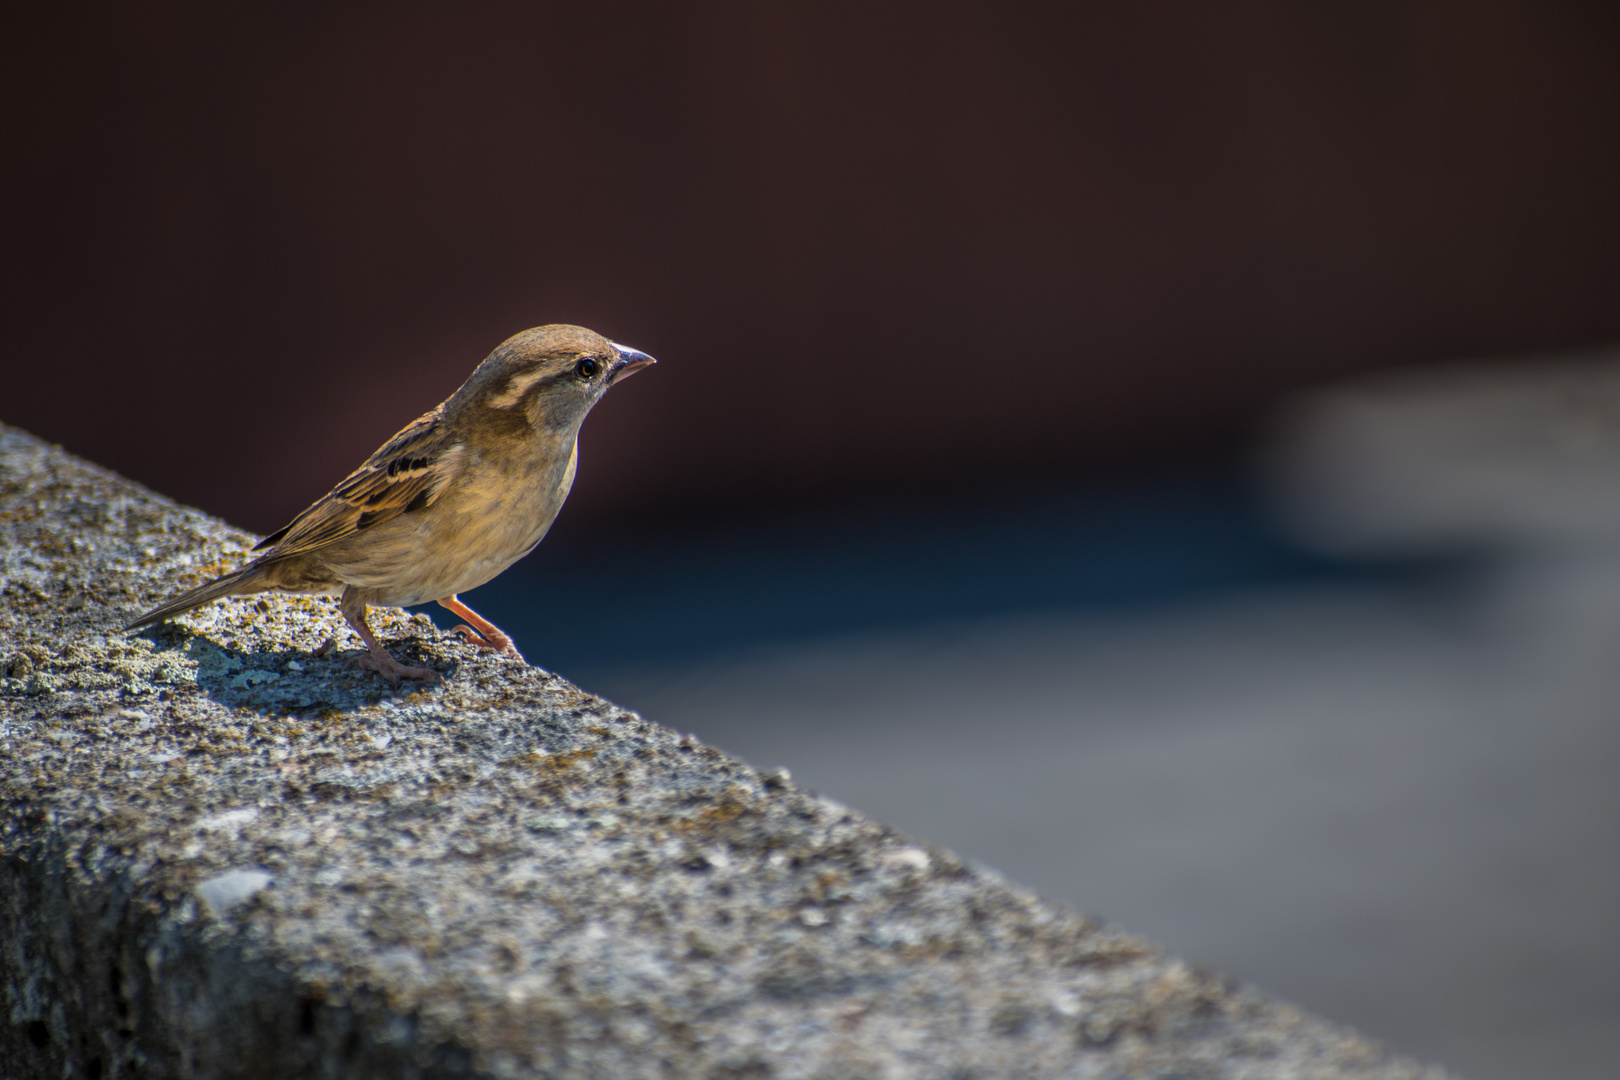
x=227, y=853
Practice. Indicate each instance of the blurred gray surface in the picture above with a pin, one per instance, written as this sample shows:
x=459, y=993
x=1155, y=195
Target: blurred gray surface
x=1394, y=805
x=1510, y=454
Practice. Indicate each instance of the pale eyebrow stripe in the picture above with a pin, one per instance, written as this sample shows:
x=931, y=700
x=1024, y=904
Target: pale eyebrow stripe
x=516, y=387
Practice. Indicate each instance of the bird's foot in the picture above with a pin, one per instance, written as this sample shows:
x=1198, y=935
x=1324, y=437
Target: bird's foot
x=393, y=670
x=496, y=641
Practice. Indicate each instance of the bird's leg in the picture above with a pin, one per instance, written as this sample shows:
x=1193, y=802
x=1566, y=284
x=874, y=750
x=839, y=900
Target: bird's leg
x=481, y=632
x=377, y=658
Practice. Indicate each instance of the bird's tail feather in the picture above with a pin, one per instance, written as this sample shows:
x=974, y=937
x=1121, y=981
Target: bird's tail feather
x=237, y=581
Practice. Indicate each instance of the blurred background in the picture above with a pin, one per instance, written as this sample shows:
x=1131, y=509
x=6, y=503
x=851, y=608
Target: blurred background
x=1062, y=445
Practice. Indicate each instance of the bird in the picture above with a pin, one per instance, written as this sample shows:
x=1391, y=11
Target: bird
x=449, y=502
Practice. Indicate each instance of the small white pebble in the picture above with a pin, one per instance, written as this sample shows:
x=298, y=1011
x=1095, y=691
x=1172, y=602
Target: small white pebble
x=549, y=823
x=381, y=741
x=231, y=888
x=229, y=819
x=913, y=857
x=293, y=665
x=813, y=917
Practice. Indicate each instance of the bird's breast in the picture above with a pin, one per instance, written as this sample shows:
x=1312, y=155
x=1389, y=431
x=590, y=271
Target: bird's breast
x=505, y=512
x=493, y=515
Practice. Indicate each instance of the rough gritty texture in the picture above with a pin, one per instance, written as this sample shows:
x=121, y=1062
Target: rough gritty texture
x=225, y=855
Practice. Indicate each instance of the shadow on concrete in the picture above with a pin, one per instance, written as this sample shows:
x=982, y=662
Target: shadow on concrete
x=291, y=680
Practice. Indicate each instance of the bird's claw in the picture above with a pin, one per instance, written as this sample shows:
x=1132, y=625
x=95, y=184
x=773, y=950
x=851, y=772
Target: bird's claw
x=393, y=670
x=473, y=636
x=505, y=646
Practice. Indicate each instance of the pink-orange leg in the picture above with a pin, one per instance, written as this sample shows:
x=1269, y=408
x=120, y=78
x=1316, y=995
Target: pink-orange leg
x=481, y=632
x=377, y=658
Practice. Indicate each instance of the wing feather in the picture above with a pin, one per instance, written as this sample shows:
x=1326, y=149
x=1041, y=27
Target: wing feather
x=407, y=474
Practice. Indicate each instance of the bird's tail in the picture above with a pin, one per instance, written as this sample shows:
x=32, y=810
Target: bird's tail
x=249, y=579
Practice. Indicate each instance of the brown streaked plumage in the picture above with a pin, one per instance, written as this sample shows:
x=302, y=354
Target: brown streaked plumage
x=449, y=502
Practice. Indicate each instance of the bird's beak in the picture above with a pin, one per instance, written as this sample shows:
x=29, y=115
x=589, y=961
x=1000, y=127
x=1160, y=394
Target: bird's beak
x=628, y=363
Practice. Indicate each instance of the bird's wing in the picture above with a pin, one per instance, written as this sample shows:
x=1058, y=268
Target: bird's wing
x=407, y=474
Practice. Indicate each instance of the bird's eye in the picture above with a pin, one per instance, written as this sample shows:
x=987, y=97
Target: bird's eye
x=587, y=368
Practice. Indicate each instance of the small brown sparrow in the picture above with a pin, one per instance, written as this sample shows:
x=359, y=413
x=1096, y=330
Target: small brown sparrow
x=450, y=501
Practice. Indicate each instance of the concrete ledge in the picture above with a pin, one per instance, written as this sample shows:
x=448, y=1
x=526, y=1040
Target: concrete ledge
x=223, y=853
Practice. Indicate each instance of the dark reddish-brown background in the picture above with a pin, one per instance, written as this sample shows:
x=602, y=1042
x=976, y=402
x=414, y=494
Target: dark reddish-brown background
x=875, y=245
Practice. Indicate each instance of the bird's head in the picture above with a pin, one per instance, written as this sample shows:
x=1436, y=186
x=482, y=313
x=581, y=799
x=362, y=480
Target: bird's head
x=550, y=376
